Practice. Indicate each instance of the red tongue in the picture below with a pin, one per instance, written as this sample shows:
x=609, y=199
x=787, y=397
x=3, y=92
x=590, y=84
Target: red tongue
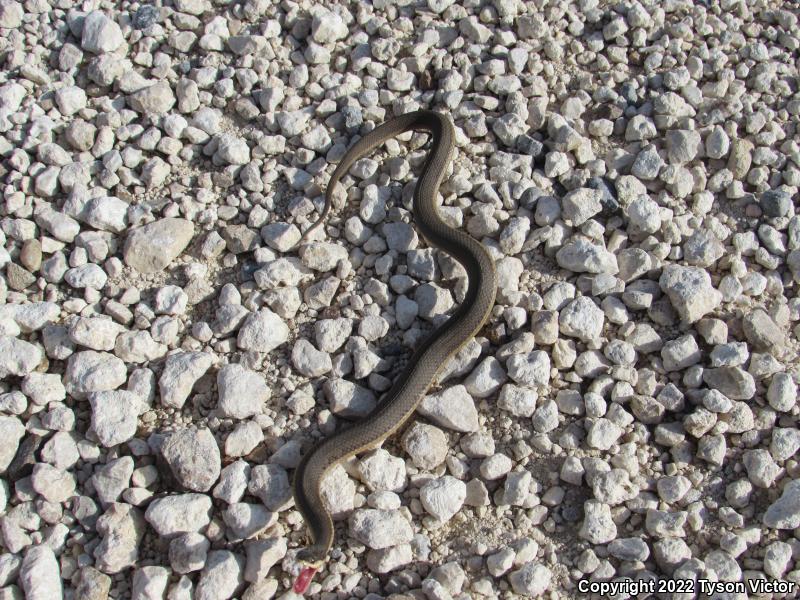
x=304, y=580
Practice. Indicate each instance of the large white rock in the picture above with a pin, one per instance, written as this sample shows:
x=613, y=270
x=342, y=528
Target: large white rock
x=582, y=319
x=262, y=331
x=11, y=432
x=96, y=333
x=453, y=408
x=115, y=416
x=242, y=392
x=153, y=100
x=531, y=580
x=380, y=528
x=181, y=372
x=784, y=513
x=193, y=456
x=152, y=247
x=91, y=371
x=100, y=34
x=443, y=497
x=40, y=575
x=34, y=315
x=183, y=513
x=121, y=528
x=17, y=357
x=221, y=576
x=327, y=26
x=690, y=291
x=53, y=484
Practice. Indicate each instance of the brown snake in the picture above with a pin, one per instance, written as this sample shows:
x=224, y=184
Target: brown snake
x=408, y=390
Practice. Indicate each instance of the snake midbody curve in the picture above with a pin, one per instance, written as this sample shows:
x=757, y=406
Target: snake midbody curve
x=400, y=402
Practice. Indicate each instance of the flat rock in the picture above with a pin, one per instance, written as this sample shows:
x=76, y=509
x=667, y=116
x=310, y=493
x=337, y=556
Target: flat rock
x=280, y=236
x=243, y=439
x=262, y=555
x=581, y=318
x=18, y=357
x=582, y=256
x=262, y=331
x=331, y=334
x=11, y=432
x=96, y=333
x=221, y=576
x=149, y=582
x=426, y=444
x=246, y=520
x=34, y=316
x=348, y=399
x=240, y=238
x=381, y=471
x=194, y=458
x=181, y=372
x=690, y=291
x=92, y=585
x=322, y=256
x=762, y=332
x=107, y=213
x=18, y=277
x=138, y=347
x=40, y=575
x=121, y=528
x=188, y=552
x=232, y=150
x=11, y=14
x=338, y=492
x=115, y=416
x=242, y=392
x=232, y=482
x=309, y=361
x=182, y=513
x=153, y=100
x=785, y=443
x=486, y=378
x=443, y=497
x=89, y=276
x=598, y=526
x=111, y=479
x=733, y=382
x=270, y=483
x=327, y=26
x=91, y=371
x=452, y=408
x=152, y=247
x=530, y=369
x=531, y=580
x=784, y=513
x=389, y=559
x=380, y=528
x=100, y=34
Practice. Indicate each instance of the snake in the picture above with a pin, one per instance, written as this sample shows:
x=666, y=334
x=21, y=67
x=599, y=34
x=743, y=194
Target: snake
x=431, y=356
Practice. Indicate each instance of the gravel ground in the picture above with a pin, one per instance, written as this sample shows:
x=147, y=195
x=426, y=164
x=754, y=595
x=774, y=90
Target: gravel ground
x=167, y=355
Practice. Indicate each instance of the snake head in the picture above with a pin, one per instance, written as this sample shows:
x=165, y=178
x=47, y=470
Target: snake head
x=312, y=556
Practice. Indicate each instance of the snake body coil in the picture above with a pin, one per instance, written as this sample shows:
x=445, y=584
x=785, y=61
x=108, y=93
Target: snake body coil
x=432, y=355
